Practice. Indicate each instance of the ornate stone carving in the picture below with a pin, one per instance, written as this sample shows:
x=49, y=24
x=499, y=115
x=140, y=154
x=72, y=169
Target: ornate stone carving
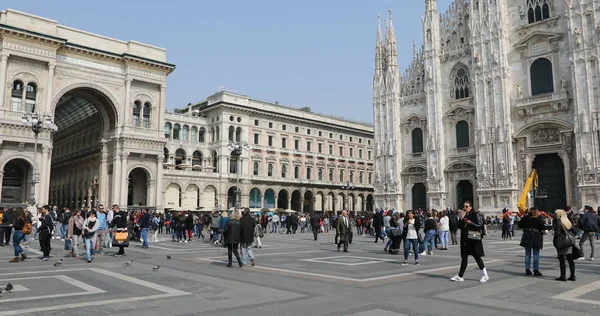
x=545, y=135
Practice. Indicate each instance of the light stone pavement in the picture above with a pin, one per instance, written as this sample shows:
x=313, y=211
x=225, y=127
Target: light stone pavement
x=294, y=276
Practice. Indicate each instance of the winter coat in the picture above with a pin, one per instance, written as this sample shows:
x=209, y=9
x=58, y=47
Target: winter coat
x=248, y=224
x=233, y=231
x=471, y=247
x=533, y=231
x=560, y=230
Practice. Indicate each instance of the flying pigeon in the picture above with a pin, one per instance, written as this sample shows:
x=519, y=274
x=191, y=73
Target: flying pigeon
x=128, y=263
x=155, y=268
x=9, y=287
x=58, y=263
x=169, y=257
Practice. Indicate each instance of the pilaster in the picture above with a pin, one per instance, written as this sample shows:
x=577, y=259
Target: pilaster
x=3, y=86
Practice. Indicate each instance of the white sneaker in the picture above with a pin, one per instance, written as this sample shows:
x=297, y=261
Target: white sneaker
x=591, y=259
x=456, y=278
x=424, y=253
x=582, y=258
x=484, y=278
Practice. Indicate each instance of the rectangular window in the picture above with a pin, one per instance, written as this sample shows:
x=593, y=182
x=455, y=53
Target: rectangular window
x=296, y=144
x=360, y=156
x=308, y=131
x=341, y=151
x=331, y=149
x=351, y=152
x=270, y=124
x=350, y=138
x=369, y=142
x=341, y=137
x=284, y=142
x=320, y=134
x=297, y=129
x=256, y=138
x=308, y=146
x=15, y=104
x=360, y=140
x=283, y=127
x=270, y=141
x=330, y=135
x=320, y=148
x=255, y=122
x=369, y=155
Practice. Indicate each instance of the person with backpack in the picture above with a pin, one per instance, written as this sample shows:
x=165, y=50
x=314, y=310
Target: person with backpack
x=472, y=230
x=589, y=222
x=155, y=227
x=45, y=232
x=21, y=228
x=453, y=225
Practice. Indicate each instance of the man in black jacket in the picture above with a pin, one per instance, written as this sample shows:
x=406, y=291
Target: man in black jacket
x=7, y=222
x=314, y=223
x=377, y=224
x=247, y=238
x=45, y=232
x=590, y=224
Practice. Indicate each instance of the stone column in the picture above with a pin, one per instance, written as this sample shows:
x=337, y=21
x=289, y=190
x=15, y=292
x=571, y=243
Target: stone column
x=161, y=108
x=102, y=192
x=290, y=203
x=44, y=176
x=150, y=192
x=116, y=178
x=124, y=177
x=262, y=200
x=1, y=176
x=127, y=103
x=49, y=86
x=567, y=167
x=159, y=197
x=276, y=202
x=3, y=85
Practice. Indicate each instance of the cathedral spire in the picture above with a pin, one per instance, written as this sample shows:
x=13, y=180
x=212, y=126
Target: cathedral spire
x=379, y=48
x=430, y=5
x=392, y=51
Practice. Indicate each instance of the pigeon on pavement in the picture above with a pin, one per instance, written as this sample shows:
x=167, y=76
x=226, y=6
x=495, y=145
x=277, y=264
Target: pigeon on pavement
x=155, y=268
x=169, y=257
x=9, y=287
x=128, y=263
x=58, y=263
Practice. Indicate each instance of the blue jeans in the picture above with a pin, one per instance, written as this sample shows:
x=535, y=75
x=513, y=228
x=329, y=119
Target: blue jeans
x=64, y=229
x=428, y=240
x=89, y=248
x=144, y=235
x=415, y=244
x=246, y=248
x=273, y=230
x=536, y=257
x=17, y=236
x=444, y=238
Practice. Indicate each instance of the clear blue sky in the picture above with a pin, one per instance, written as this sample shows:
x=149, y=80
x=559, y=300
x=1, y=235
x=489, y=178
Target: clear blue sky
x=316, y=53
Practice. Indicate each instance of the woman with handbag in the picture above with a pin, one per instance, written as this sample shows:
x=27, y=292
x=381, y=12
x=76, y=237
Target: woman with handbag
x=74, y=230
x=564, y=240
x=90, y=226
x=232, y=234
x=533, y=239
x=471, y=232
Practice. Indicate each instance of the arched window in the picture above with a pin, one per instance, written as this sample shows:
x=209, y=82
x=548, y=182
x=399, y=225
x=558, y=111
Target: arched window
x=197, y=158
x=270, y=170
x=194, y=134
x=537, y=10
x=168, y=130
x=308, y=172
x=360, y=177
x=231, y=133
x=541, y=76
x=201, y=134
x=215, y=161
x=176, y=130
x=16, y=96
x=213, y=135
x=341, y=175
x=137, y=109
x=238, y=134
x=320, y=174
x=351, y=176
x=218, y=133
x=417, y=140
x=180, y=156
x=331, y=175
x=184, y=133
x=296, y=172
x=283, y=171
x=147, y=114
x=462, y=134
x=461, y=84
x=166, y=155
x=255, y=168
x=30, y=96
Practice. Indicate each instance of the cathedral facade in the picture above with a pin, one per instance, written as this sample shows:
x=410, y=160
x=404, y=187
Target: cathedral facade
x=498, y=88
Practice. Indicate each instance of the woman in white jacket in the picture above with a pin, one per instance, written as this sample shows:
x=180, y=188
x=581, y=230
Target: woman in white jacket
x=90, y=226
x=444, y=230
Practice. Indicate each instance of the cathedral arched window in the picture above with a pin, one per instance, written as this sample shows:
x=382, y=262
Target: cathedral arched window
x=308, y=172
x=462, y=134
x=30, y=96
x=201, y=134
x=167, y=130
x=538, y=10
x=137, y=109
x=541, y=77
x=176, y=130
x=231, y=133
x=180, y=156
x=197, y=158
x=238, y=134
x=417, y=140
x=296, y=172
x=194, y=134
x=185, y=132
x=146, y=115
x=283, y=171
x=320, y=174
x=461, y=84
x=255, y=168
x=270, y=170
x=16, y=95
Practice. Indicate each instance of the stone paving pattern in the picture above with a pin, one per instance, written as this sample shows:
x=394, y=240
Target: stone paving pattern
x=295, y=276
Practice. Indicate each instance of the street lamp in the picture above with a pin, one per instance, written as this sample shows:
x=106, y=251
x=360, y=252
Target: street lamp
x=348, y=186
x=37, y=124
x=236, y=149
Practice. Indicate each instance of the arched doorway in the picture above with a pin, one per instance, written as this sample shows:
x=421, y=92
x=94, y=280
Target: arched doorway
x=308, y=202
x=330, y=207
x=296, y=201
x=370, y=203
x=15, y=188
x=551, y=179
x=464, y=192
x=255, y=198
x=282, y=199
x=319, y=203
x=340, y=202
x=137, y=189
x=209, y=197
x=419, y=196
x=360, y=202
x=232, y=197
x=85, y=118
x=351, y=202
x=269, y=198
x=173, y=195
x=191, y=198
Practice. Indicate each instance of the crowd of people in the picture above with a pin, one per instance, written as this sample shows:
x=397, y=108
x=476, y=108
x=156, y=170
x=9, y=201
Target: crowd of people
x=418, y=232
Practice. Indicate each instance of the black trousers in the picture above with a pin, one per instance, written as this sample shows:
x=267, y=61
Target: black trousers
x=343, y=241
x=465, y=260
x=315, y=231
x=6, y=233
x=233, y=249
x=45, y=242
x=563, y=266
x=378, y=233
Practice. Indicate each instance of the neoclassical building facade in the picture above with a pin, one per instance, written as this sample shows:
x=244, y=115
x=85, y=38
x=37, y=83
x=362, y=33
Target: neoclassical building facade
x=110, y=140
x=295, y=159
x=103, y=100
x=498, y=88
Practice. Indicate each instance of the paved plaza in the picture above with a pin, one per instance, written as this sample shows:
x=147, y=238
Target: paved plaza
x=294, y=276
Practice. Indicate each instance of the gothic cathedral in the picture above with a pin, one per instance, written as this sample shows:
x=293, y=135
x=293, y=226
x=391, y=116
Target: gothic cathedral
x=498, y=88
